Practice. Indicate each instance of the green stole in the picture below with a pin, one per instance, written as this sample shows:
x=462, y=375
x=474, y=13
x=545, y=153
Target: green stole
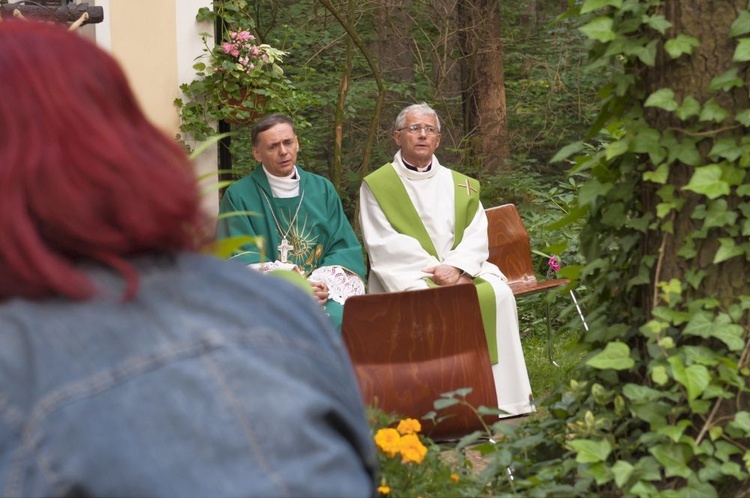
x=398, y=208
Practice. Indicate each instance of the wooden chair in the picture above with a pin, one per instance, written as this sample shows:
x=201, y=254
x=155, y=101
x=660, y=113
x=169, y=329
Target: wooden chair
x=510, y=250
x=410, y=347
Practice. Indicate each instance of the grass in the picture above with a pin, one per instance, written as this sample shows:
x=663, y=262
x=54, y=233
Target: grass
x=543, y=374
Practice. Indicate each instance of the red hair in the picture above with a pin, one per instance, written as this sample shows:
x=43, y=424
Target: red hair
x=84, y=176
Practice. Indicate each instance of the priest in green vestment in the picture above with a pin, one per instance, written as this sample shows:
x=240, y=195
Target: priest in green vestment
x=296, y=217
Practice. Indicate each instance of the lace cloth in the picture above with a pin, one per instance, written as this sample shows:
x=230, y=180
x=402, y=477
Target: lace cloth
x=341, y=283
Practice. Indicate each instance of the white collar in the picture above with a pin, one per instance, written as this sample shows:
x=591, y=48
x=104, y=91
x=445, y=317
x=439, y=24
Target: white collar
x=283, y=186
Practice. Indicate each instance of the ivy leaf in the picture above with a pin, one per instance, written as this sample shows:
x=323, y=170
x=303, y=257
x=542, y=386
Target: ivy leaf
x=622, y=471
x=615, y=356
x=690, y=107
x=659, y=175
x=742, y=52
x=686, y=152
x=617, y=148
x=741, y=421
x=743, y=117
x=725, y=148
x=683, y=44
x=741, y=25
x=592, y=5
x=663, y=99
x=674, y=458
x=718, y=214
x=599, y=29
x=658, y=22
x=727, y=250
x=659, y=375
x=712, y=111
x=647, y=54
x=589, y=451
x=674, y=432
x=726, y=81
x=592, y=189
x=721, y=328
x=707, y=180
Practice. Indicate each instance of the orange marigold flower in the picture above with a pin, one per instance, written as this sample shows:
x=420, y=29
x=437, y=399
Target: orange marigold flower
x=409, y=426
x=411, y=449
x=388, y=441
x=454, y=477
x=384, y=490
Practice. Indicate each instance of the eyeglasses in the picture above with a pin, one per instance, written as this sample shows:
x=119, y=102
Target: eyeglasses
x=417, y=129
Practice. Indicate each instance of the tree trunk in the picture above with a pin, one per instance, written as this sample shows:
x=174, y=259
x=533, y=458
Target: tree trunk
x=709, y=22
x=484, y=82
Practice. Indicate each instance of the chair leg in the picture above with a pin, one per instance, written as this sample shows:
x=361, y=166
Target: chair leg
x=580, y=313
x=549, y=335
x=549, y=326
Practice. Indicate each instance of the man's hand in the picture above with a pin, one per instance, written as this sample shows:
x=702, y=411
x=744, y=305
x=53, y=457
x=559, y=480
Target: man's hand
x=448, y=275
x=320, y=291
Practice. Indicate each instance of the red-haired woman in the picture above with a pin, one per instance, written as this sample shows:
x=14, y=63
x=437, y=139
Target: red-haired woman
x=130, y=364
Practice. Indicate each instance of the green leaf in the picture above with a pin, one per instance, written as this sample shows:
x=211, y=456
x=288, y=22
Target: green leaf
x=658, y=22
x=742, y=422
x=589, y=451
x=615, y=356
x=443, y=403
x=697, y=379
x=591, y=190
x=690, y=107
x=599, y=29
x=674, y=432
x=674, y=458
x=725, y=148
x=712, y=111
x=659, y=375
x=622, y=471
x=742, y=52
x=741, y=25
x=727, y=250
x=707, y=180
x=663, y=99
x=721, y=328
x=743, y=117
x=726, y=81
x=567, y=151
x=660, y=175
x=617, y=148
x=592, y=5
x=683, y=44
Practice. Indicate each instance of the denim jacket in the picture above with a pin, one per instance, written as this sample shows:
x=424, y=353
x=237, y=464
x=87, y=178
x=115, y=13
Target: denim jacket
x=213, y=381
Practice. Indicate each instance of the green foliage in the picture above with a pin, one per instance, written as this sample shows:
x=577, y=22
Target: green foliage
x=658, y=405
x=234, y=85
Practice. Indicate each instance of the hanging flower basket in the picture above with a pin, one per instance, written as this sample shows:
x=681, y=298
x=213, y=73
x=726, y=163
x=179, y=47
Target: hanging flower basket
x=237, y=81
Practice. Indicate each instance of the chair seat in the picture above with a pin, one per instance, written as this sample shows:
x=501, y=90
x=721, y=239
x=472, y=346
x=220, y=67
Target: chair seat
x=409, y=347
x=532, y=285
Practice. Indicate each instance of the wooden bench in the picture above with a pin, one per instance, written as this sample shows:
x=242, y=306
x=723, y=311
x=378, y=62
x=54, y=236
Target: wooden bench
x=410, y=347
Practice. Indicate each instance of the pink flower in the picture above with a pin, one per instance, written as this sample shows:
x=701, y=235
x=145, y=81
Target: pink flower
x=245, y=35
x=227, y=47
x=554, y=262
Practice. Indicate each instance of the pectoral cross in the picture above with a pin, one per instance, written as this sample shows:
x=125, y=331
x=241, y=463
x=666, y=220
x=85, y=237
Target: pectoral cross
x=284, y=249
x=468, y=187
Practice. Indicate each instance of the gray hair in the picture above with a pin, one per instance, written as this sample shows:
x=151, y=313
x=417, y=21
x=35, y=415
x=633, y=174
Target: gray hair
x=267, y=122
x=421, y=108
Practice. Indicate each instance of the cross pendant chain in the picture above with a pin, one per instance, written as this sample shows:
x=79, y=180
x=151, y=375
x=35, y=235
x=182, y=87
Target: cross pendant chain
x=284, y=249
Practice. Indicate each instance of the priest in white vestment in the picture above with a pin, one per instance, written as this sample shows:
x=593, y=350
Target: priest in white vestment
x=422, y=225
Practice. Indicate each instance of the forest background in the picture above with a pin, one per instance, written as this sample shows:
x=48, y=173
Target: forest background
x=620, y=130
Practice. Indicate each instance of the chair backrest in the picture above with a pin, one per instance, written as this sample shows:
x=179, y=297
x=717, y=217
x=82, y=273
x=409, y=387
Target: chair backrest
x=510, y=246
x=510, y=250
x=410, y=347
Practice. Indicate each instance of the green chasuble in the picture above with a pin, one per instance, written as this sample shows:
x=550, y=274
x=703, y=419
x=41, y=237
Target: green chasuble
x=317, y=228
x=386, y=186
